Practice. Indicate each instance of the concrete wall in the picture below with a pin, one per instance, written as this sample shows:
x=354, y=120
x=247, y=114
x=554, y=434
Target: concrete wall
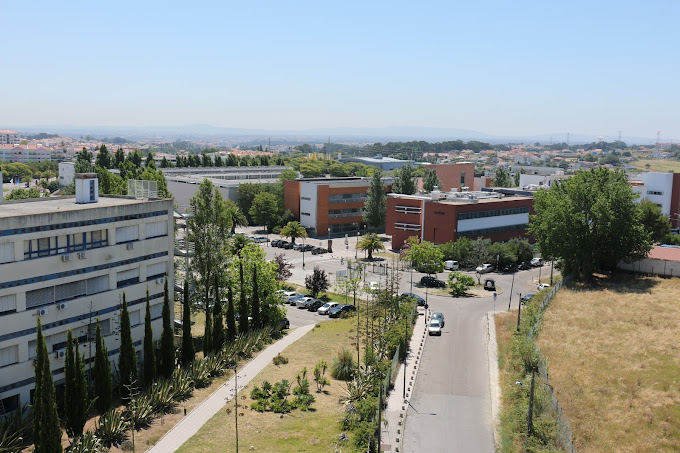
x=652, y=266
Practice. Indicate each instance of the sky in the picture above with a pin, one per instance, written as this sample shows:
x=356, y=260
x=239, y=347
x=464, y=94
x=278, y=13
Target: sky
x=499, y=67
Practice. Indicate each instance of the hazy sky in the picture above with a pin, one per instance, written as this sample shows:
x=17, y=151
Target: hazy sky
x=500, y=67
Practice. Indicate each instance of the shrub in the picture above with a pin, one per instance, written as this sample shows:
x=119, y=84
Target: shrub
x=111, y=427
x=344, y=366
x=319, y=376
x=87, y=443
x=280, y=360
x=142, y=414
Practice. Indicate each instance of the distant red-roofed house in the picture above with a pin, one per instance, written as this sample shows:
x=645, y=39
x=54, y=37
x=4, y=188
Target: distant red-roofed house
x=662, y=260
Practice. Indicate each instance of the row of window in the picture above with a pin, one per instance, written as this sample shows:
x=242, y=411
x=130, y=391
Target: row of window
x=408, y=209
x=81, y=223
x=340, y=213
x=347, y=197
x=407, y=226
x=654, y=192
x=69, y=243
x=494, y=230
x=492, y=213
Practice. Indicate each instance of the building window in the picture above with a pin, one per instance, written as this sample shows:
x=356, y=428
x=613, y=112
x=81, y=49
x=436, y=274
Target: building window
x=135, y=319
x=305, y=198
x=7, y=252
x=154, y=271
x=9, y=356
x=654, y=192
x=462, y=179
x=156, y=311
x=492, y=213
x=9, y=404
x=495, y=230
x=59, y=245
x=156, y=229
x=127, y=278
x=438, y=212
x=305, y=213
x=127, y=234
x=8, y=304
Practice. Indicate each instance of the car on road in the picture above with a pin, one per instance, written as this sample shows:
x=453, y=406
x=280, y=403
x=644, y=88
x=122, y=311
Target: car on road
x=307, y=248
x=275, y=242
x=484, y=268
x=527, y=297
x=524, y=265
x=419, y=300
x=319, y=251
x=439, y=316
x=258, y=239
x=432, y=282
x=435, y=327
x=338, y=310
x=537, y=262
x=509, y=268
x=299, y=247
x=325, y=308
x=315, y=305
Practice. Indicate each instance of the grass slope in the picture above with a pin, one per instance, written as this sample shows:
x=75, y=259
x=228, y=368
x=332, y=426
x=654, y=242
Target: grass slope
x=295, y=432
x=614, y=362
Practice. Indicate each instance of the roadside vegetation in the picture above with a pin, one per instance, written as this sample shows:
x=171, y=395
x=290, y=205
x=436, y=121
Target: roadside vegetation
x=612, y=347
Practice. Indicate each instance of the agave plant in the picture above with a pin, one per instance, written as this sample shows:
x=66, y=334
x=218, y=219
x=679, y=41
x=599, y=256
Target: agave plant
x=361, y=386
x=182, y=385
x=140, y=412
x=161, y=397
x=87, y=443
x=111, y=428
x=215, y=364
x=199, y=373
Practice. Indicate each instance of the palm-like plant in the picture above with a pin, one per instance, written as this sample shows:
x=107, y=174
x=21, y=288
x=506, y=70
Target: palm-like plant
x=370, y=243
x=293, y=230
x=235, y=215
x=237, y=243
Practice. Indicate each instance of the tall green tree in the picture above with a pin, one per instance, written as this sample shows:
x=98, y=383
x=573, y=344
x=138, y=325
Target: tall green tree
x=317, y=281
x=293, y=230
x=218, y=323
x=231, y=315
x=590, y=222
x=207, y=333
x=208, y=229
x=502, y=178
x=149, y=353
x=426, y=257
x=103, y=158
x=405, y=181
x=256, y=299
x=127, y=357
x=149, y=160
x=243, y=305
x=167, y=362
x=265, y=210
x=375, y=208
x=75, y=392
x=655, y=223
x=102, y=374
x=188, y=353
x=238, y=219
x=431, y=180
x=118, y=158
x=83, y=162
x=46, y=429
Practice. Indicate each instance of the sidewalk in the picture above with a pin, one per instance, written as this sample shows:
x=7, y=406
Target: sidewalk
x=393, y=426
x=195, y=419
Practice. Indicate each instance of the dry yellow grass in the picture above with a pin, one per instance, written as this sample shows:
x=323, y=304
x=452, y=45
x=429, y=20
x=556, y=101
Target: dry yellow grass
x=295, y=432
x=657, y=164
x=614, y=362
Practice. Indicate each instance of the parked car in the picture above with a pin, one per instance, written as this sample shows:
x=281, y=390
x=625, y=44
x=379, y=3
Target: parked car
x=439, y=316
x=284, y=324
x=275, y=242
x=290, y=295
x=260, y=239
x=373, y=286
x=419, y=300
x=509, y=268
x=452, y=265
x=432, y=282
x=325, y=308
x=295, y=299
x=178, y=324
x=338, y=310
x=315, y=305
x=288, y=245
x=537, y=262
x=484, y=268
x=542, y=286
x=527, y=297
x=298, y=247
x=524, y=265
x=319, y=251
x=435, y=327
x=302, y=302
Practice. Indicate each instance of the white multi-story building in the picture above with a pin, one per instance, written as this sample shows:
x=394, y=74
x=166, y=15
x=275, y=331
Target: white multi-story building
x=67, y=173
x=661, y=189
x=68, y=261
x=8, y=137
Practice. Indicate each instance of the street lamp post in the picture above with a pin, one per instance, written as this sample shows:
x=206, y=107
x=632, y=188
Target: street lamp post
x=303, y=253
x=356, y=249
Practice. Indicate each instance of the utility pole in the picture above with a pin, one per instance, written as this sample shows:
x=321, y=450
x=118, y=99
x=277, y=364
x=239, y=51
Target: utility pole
x=519, y=310
x=511, y=287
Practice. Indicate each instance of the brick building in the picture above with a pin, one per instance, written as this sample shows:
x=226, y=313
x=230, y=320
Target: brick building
x=334, y=205
x=454, y=176
x=441, y=217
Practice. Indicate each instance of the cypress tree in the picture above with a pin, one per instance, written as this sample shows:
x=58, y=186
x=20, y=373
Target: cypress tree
x=127, y=358
x=81, y=405
x=69, y=385
x=231, y=316
x=243, y=306
x=207, y=334
x=256, y=299
x=45, y=418
x=167, y=337
x=188, y=353
x=149, y=353
x=218, y=323
x=102, y=374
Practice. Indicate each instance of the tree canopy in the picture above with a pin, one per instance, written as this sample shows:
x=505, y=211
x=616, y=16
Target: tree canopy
x=590, y=222
x=375, y=208
x=370, y=243
x=426, y=257
x=656, y=224
x=405, y=181
x=431, y=180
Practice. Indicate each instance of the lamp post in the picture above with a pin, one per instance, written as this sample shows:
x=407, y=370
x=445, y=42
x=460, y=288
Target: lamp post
x=356, y=249
x=303, y=253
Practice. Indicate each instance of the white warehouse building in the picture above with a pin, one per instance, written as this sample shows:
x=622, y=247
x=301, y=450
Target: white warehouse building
x=69, y=263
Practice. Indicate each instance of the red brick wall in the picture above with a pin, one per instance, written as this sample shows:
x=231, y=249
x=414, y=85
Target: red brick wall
x=449, y=175
x=291, y=197
x=400, y=236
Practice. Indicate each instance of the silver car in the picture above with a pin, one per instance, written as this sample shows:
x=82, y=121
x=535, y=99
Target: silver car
x=435, y=327
x=326, y=307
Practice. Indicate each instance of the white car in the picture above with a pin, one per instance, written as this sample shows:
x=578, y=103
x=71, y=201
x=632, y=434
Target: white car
x=452, y=265
x=537, y=262
x=326, y=307
x=435, y=327
x=302, y=301
x=373, y=286
x=543, y=286
x=484, y=268
x=289, y=295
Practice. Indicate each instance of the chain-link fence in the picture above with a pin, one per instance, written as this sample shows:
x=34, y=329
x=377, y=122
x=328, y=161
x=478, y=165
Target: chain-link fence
x=564, y=433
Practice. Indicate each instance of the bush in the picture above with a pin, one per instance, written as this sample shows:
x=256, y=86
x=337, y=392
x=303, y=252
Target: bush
x=344, y=366
x=111, y=427
x=87, y=443
x=279, y=360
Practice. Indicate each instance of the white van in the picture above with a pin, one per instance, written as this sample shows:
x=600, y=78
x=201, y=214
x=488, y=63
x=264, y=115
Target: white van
x=452, y=265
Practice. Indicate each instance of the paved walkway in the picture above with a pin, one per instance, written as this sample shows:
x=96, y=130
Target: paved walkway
x=392, y=428
x=195, y=419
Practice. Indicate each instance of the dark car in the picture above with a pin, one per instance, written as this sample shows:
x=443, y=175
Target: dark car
x=315, y=305
x=298, y=247
x=308, y=247
x=419, y=300
x=288, y=245
x=275, y=242
x=284, y=324
x=509, y=268
x=319, y=251
x=527, y=297
x=432, y=282
x=524, y=265
x=338, y=310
